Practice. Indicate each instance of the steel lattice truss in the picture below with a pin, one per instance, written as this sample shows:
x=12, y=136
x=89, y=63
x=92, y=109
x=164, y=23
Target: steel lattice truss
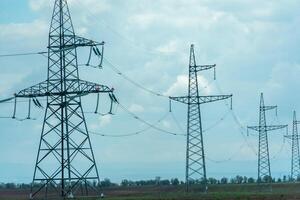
x=195, y=156
x=295, y=164
x=264, y=171
x=65, y=161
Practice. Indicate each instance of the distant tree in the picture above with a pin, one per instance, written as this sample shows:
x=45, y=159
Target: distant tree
x=165, y=182
x=224, y=180
x=106, y=183
x=174, y=181
x=267, y=179
x=125, y=183
x=239, y=179
x=251, y=180
x=10, y=185
x=232, y=181
x=212, y=181
x=245, y=179
x=284, y=178
x=279, y=180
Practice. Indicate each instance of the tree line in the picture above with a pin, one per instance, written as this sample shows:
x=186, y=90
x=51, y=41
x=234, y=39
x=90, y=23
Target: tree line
x=169, y=182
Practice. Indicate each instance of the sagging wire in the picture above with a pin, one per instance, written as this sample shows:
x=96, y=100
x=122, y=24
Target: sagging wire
x=23, y=54
x=204, y=130
x=118, y=72
x=149, y=124
x=230, y=158
x=280, y=150
x=241, y=127
x=133, y=133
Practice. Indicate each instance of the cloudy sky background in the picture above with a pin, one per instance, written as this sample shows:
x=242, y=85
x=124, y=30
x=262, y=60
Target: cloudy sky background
x=253, y=43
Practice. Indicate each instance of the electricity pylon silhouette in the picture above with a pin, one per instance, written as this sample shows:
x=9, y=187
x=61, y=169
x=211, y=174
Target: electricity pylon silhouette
x=65, y=161
x=264, y=170
x=295, y=164
x=195, y=156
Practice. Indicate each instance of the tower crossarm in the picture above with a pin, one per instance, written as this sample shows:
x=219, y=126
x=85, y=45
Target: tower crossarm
x=297, y=137
x=73, y=41
x=265, y=108
x=212, y=98
x=182, y=99
x=84, y=87
x=267, y=128
x=200, y=99
x=81, y=41
x=202, y=67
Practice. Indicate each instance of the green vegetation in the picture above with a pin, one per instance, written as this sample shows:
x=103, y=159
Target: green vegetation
x=246, y=191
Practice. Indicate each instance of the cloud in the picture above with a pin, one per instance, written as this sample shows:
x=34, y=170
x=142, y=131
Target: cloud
x=8, y=81
x=93, y=6
x=180, y=87
x=23, y=31
x=105, y=120
x=170, y=47
x=135, y=108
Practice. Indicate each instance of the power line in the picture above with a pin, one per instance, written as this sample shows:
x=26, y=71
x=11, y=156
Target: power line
x=22, y=54
x=132, y=133
x=149, y=124
x=118, y=72
x=229, y=158
x=132, y=43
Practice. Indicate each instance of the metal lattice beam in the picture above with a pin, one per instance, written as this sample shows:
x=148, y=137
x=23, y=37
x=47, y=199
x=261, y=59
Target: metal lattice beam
x=295, y=161
x=195, y=156
x=65, y=161
x=264, y=169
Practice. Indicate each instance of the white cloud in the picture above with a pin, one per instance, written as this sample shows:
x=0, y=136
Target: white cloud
x=23, y=31
x=166, y=124
x=170, y=47
x=92, y=6
x=180, y=87
x=37, y=5
x=9, y=80
x=105, y=120
x=135, y=108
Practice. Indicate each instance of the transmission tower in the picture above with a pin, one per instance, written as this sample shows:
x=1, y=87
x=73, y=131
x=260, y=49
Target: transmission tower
x=295, y=164
x=65, y=161
x=264, y=171
x=195, y=156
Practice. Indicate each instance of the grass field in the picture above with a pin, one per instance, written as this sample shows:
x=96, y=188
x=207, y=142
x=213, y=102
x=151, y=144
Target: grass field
x=216, y=192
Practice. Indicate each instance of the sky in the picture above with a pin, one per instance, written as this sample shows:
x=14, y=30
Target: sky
x=254, y=44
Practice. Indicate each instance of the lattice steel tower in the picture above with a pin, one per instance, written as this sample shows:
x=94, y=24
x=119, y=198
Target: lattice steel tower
x=195, y=156
x=65, y=162
x=295, y=164
x=264, y=170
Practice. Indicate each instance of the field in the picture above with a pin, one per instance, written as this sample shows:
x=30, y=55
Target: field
x=216, y=192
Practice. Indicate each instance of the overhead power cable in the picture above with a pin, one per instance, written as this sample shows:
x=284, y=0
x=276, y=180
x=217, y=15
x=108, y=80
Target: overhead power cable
x=116, y=70
x=22, y=54
x=149, y=124
x=234, y=154
x=132, y=133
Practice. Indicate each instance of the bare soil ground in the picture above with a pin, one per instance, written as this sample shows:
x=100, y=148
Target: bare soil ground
x=216, y=192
